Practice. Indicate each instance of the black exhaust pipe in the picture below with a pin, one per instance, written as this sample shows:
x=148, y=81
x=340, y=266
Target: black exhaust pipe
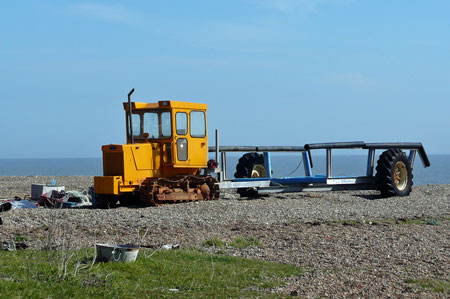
x=130, y=113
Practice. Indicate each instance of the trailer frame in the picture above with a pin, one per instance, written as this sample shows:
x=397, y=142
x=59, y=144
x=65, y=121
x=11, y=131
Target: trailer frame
x=310, y=182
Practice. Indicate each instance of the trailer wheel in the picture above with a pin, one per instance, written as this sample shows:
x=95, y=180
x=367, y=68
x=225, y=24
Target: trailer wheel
x=394, y=174
x=250, y=165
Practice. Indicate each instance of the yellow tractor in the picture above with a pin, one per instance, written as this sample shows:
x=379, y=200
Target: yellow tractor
x=166, y=150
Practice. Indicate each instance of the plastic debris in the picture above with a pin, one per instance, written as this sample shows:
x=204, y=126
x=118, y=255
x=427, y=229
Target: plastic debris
x=22, y=204
x=171, y=246
x=66, y=199
x=10, y=246
x=116, y=252
x=51, y=199
x=80, y=198
x=5, y=206
x=37, y=190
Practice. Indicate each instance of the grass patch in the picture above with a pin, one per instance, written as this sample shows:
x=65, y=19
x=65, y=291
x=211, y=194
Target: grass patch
x=442, y=286
x=403, y=221
x=19, y=238
x=214, y=242
x=173, y=273
x=418, y=221
x=433, y=222
x=245, y=242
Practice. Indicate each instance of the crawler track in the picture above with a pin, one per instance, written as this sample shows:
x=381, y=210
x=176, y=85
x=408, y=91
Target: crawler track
x=157, y=191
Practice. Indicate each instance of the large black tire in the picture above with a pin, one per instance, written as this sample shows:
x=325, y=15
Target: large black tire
x=394, y=174
x=250, y=165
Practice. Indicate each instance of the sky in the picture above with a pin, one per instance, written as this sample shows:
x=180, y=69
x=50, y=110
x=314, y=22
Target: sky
x=273, y=72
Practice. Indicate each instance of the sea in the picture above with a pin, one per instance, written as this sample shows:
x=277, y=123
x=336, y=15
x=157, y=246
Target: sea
x=283, y=165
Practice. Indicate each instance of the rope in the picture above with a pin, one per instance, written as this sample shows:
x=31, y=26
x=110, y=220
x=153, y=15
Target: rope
x=301, y=161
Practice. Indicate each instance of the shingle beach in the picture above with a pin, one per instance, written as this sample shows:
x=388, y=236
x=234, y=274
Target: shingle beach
x=353, y=243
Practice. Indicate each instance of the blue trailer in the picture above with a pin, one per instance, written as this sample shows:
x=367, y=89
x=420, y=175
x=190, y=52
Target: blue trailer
x=392, y=175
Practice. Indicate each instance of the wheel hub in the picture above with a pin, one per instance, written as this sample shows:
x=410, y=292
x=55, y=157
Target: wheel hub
x=258, y=171
x=400, y=175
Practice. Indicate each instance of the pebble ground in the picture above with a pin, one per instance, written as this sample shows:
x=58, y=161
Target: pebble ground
x=350, y=243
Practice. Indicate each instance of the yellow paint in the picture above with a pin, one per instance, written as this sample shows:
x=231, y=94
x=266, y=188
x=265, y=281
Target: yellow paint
x=107, y=184
x=165, y=105
x=126, y=166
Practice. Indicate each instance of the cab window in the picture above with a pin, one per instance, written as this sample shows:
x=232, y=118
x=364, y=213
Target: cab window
x=157, y=124
x=136, y=124
x=198, y=124
x=181, y=120
x=151, y=125
x=166, y=127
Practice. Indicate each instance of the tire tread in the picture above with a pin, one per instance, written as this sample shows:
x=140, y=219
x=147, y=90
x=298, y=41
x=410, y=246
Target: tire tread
x=385, y=173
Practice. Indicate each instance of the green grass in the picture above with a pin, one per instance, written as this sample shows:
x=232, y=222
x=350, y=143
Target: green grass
x=19, y=238
x=442, y=286
x=414, y=221
x=214, y=242
x=403, y=221
x=245, y=242
x=174, y=274
x=433, y=222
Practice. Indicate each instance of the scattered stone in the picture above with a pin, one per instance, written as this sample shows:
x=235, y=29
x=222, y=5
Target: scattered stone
x=369, y=260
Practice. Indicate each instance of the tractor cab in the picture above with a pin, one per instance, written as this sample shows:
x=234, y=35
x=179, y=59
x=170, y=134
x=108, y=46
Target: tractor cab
x=178, y=129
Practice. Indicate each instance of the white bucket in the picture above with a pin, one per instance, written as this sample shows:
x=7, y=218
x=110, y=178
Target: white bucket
x=116, y=253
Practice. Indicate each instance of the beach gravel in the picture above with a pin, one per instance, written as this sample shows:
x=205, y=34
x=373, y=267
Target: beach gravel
x=350, y=243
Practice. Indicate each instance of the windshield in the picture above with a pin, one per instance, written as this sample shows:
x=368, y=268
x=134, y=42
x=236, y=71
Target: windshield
x=156, y=124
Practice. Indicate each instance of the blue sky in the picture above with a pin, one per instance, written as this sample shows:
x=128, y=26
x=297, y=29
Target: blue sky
x=273, y=72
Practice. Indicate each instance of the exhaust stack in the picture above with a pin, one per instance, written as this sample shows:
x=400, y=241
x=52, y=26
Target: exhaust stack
x=130, y=113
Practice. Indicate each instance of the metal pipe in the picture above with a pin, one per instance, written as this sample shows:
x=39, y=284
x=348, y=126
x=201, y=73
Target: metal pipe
x=310, y=158
x=329, y=174
x=130, y=113
x=224, y=165
x=268, y=164
x=258, y=149
x=403, y=145
x=350, y=144
x=217, y=157
x=332, y=145
x=307, y=163
x=217, y=146
x=370, y=162
x=412, y=157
